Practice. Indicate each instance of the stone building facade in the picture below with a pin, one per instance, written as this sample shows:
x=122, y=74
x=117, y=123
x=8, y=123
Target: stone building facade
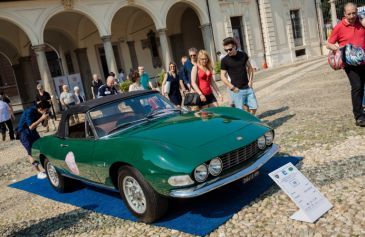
x=43, y=39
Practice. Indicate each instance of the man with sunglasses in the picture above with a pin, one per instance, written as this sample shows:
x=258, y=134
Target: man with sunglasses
x=237, y=66
x=188, y=66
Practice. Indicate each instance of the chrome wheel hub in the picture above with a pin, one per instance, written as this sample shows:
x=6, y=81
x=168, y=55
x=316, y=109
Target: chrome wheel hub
x=53, y=175
x=134, y=194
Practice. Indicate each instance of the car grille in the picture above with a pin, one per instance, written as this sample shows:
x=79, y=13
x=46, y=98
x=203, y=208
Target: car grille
x=239, y=155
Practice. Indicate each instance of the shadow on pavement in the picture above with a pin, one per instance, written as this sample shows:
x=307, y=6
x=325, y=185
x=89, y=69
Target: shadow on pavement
x=272, y=112
x=279, y=121
x=50, y=225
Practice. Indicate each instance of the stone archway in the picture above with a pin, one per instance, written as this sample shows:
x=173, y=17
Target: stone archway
x=135, y=35
x=8, y=83
x=16, y=70
x=74, y=37
x=184, y=30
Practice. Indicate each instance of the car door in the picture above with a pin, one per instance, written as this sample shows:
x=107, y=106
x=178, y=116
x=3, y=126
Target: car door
x=77, y=147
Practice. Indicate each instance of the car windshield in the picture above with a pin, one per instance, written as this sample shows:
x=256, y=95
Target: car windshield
x=126, y=113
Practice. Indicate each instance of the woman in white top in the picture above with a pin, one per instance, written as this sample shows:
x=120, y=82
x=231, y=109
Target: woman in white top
x=136, y=85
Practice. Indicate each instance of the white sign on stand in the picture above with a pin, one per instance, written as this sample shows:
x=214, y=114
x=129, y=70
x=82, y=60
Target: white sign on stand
x=312, y=204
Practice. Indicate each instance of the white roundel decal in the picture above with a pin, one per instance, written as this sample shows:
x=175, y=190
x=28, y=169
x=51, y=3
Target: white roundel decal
x=70, y=161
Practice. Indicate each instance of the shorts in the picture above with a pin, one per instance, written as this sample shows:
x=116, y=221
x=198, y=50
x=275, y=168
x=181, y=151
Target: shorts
x=210, y=99
x=27, y=138
x=244, y=97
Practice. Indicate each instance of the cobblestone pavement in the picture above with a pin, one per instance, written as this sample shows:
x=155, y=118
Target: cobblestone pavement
x=309, y=106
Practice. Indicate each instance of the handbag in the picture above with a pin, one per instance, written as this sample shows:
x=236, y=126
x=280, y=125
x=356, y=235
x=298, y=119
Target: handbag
x=192, y=99
x=167, y=86
x=336, y=59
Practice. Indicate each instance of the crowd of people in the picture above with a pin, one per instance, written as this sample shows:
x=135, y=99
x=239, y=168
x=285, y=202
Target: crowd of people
x=193, y=80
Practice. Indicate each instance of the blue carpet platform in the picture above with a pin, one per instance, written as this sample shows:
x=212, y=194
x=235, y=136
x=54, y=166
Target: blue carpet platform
x=198, y=216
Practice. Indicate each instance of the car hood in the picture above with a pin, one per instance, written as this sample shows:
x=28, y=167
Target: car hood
x=199, y=129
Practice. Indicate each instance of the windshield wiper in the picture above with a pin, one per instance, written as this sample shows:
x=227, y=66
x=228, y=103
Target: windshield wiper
x=157, y=111
x=124, y=125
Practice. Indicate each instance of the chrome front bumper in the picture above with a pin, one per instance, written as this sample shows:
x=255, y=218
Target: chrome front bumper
x=219, y=182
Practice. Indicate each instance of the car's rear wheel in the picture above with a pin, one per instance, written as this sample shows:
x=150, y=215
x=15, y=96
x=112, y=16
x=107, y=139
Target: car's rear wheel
x=140, y=198
x=57, y=181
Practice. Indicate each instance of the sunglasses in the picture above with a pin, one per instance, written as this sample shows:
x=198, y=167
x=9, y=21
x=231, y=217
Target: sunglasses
x=228, y=50
x=193, y=55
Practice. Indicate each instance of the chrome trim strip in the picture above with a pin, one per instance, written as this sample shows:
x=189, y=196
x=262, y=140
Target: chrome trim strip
x=90, y=183
x=219, y=182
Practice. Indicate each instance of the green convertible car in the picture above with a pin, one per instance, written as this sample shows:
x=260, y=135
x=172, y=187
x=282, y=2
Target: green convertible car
x=143, y=146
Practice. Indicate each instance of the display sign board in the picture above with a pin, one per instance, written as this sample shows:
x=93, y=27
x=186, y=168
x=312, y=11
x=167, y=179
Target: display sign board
x=70, y=80
x=59, y=82
x=75, y=80
x=312, y=204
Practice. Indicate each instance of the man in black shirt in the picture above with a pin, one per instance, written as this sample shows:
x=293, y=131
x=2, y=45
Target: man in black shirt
x=108, y=88
x=45, y=97
x=240, y=71
x=95, y=84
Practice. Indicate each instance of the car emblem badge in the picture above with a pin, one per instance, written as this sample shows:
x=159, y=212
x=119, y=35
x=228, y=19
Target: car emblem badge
x=239, y=138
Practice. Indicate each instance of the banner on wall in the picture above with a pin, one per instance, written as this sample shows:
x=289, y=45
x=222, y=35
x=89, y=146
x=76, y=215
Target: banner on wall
x=59, y=82
x=75, y=80
x=70, y=80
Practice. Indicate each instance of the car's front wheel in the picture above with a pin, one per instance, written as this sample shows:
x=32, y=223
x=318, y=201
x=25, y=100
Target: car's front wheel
x=57, y=181
x=140, y=198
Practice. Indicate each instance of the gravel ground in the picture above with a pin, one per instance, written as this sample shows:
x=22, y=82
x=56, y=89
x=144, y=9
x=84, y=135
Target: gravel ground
x=308, y=104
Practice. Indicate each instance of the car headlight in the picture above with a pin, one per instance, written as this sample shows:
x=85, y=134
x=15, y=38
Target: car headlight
x=201, y=173
x=261, y=142
x=215, y=166
x=269, y=136
x=180, y=180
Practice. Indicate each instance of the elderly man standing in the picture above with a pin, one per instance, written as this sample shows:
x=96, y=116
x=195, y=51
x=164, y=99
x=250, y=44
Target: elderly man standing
x=108, y=88
x=350, y=31
x=67, y=98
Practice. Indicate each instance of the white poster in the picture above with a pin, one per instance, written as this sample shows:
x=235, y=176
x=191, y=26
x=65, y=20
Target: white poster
x=312, y=204
x=59, y=82
x=75, y=80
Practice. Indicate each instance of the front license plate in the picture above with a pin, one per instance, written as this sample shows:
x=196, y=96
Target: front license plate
x=250, y=177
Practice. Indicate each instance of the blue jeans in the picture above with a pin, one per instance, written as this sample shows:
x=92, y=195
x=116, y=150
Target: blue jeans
x=244, y=97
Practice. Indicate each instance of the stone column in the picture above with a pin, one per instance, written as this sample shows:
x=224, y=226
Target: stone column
x=63, y=61
x=45, y=73
x=132, y=54
x=25, y=80
x=320, y=20
x=333, y=12
x=272, y=50
x=85, y=71
x=208, y=40
x=165, y=47
x=109, y=54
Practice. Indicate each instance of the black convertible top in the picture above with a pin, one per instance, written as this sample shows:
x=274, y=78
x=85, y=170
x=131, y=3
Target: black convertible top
x=86, y=106
x=90, y=104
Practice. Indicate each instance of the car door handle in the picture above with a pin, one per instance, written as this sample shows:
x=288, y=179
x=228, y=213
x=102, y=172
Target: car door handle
x=63, y=145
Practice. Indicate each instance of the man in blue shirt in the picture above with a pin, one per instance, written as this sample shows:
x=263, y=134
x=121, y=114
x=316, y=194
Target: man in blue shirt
x=27, y=130
x=188, y=66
